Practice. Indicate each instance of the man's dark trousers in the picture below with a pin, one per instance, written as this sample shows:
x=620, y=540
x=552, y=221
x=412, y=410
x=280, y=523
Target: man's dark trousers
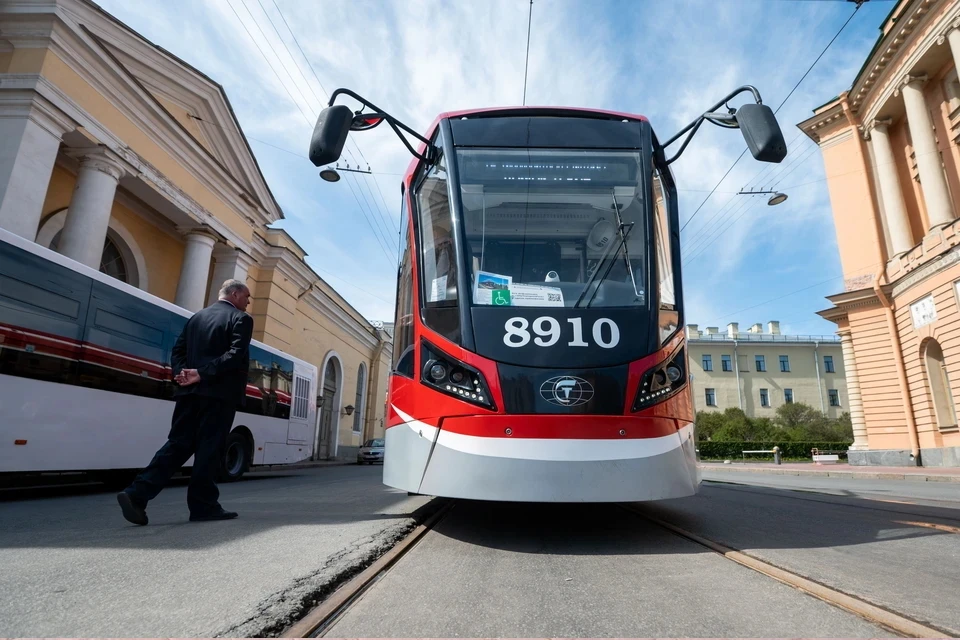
x=200, y=427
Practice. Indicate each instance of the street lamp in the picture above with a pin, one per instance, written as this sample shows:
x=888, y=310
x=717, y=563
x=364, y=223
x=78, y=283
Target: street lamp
x=331, y=174
x=774, y=200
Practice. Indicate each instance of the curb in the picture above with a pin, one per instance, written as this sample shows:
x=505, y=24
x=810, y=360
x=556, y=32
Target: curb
x=862, y=475
x=298, y=465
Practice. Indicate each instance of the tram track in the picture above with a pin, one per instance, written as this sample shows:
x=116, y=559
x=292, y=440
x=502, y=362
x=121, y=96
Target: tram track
x=887, y=618
x=315, y=623
x=323, y=617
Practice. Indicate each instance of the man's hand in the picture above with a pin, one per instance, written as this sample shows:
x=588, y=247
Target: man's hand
x=187, y=377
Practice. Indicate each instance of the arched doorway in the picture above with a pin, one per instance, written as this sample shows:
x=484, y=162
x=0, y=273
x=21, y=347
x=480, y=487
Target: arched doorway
x=329, y=410
x=940, y=392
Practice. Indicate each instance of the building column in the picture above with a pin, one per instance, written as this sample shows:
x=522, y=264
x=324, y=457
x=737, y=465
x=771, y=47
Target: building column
x=195, y=271
x=230, y=264
x=28, y=152
x=953, y=37
x=898, y=224
x=932, y=180
x=853, y=392
x=88, y=217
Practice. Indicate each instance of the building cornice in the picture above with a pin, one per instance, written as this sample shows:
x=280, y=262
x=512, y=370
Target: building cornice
x=928, y=270
x=86, y=55
x=32, y=85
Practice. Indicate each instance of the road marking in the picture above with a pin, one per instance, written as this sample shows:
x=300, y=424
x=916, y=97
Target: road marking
x=870, y=612
x=930, y=525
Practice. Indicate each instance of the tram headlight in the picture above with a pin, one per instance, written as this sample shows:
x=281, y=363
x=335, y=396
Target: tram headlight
x=662, y=381
x=453, y=377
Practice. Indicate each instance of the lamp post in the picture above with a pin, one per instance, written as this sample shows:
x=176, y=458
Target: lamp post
x=775, y=199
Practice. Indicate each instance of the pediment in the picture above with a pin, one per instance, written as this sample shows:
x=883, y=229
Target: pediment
x=197, y=104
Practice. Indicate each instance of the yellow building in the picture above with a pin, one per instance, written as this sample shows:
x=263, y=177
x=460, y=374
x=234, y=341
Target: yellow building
x=759, y=371
x=890, y=146
x=119, y=155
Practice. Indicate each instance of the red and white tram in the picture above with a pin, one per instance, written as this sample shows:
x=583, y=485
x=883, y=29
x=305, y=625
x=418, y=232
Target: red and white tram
x=538, y=350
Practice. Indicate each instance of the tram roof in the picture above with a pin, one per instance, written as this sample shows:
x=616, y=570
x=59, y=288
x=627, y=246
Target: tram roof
x=582, y=112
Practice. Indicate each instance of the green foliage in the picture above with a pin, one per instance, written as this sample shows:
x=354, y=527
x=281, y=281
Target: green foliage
x=794, y=422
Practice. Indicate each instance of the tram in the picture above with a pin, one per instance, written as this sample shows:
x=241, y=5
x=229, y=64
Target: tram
x=538, y=349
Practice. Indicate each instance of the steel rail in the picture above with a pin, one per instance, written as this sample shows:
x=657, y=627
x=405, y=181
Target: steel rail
x=315, y=623
x=886, y=618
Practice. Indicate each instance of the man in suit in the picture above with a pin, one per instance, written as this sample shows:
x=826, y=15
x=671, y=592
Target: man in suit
x=210, y=361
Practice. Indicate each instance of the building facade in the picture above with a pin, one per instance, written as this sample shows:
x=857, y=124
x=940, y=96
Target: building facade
x=121, y=156
x=890, y=147
x=759, y=371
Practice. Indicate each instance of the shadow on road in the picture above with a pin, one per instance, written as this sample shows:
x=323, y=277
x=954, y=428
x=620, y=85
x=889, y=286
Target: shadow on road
x=89, y=517
x=815, y=521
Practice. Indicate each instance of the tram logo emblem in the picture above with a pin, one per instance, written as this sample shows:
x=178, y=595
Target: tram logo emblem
x=567, y=391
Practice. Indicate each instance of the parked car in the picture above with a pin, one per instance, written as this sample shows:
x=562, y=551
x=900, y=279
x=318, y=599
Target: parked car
x=371, y=452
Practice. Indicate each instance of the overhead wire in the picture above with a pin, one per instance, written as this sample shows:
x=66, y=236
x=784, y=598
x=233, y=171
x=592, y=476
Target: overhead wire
x=690, y=219
x=290, y=94
x=393, y=225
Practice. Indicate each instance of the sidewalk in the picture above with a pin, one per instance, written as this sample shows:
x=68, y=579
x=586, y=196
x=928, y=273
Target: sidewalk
x=842, y=470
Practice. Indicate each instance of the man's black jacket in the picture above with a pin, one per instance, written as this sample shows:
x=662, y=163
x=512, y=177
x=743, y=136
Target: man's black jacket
x=215, y=342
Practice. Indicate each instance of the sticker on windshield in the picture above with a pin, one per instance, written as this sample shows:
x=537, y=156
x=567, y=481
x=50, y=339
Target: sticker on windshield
x=438, y=290
x=532, y=295
x=492, y=288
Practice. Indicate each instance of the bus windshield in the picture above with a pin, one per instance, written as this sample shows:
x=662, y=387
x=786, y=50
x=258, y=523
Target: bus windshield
x=554, y=227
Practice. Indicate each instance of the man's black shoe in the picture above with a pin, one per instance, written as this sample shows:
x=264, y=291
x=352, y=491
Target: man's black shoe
x=131, y=511
x=216, y=515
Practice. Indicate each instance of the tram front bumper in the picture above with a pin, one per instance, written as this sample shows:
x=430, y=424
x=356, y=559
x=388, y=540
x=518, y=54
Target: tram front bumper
x=446, y=462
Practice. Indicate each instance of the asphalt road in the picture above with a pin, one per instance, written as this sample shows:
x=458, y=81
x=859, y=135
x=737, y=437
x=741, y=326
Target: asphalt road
x=73, y=567
x=566, y=571
x=891, y=542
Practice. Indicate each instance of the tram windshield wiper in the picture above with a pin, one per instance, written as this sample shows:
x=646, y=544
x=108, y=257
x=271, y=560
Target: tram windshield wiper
x=623, y=231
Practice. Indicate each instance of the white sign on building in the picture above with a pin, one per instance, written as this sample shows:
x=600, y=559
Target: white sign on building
x=924, y=312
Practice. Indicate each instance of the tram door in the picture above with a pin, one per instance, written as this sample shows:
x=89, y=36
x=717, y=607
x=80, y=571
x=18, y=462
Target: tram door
x=325, y=447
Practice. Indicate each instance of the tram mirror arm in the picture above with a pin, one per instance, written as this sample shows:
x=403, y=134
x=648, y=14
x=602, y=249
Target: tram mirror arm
x=756, y=122
x=336, y=122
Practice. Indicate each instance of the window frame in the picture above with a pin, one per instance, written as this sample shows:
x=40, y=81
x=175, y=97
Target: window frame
x=760, y=362
x=706, y=362
x=764, y=397
x=784, y=364
x=710, y=396
x=828, y=366
x=788, y=396
x=726, y=363
x=833, y=394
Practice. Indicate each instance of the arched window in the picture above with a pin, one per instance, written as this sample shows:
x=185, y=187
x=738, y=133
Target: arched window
x=112, y=262
x=939, y=383
x=358, y=404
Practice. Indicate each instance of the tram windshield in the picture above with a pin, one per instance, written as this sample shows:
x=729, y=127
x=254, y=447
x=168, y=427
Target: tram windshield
x=554, y=227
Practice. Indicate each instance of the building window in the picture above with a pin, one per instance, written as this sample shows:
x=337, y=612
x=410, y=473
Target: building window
x=828, y=364
x=725, y=363
x=761, y=363
x=707, y=362
x=111, y=260
x=711, y=395
x=834, y=397
x=788, y=395
x=940, y=391
x=785, y=364
x=764, y=398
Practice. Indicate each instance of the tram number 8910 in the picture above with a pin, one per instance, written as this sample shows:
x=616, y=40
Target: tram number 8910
x=548, y=332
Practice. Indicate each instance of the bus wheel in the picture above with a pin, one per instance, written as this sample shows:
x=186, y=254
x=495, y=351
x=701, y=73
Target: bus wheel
x=236, y=458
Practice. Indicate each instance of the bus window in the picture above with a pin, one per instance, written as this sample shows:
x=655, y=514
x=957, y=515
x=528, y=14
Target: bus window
x=403, y=322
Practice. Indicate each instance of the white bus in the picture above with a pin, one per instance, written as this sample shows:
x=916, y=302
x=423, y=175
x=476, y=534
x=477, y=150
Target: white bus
x=86, y=382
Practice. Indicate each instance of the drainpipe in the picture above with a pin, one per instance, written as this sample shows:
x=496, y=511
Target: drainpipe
x=816, y=363
x=901, y=371
x=736, y=367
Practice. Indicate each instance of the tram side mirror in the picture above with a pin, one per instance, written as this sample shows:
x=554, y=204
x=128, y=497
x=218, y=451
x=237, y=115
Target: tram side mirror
x=761, y=132
x=330, y=134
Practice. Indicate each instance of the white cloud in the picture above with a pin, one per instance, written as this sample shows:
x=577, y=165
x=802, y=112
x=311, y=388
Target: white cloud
x=666, y=59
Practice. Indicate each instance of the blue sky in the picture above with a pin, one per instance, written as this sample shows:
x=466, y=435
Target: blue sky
x=666, y=59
